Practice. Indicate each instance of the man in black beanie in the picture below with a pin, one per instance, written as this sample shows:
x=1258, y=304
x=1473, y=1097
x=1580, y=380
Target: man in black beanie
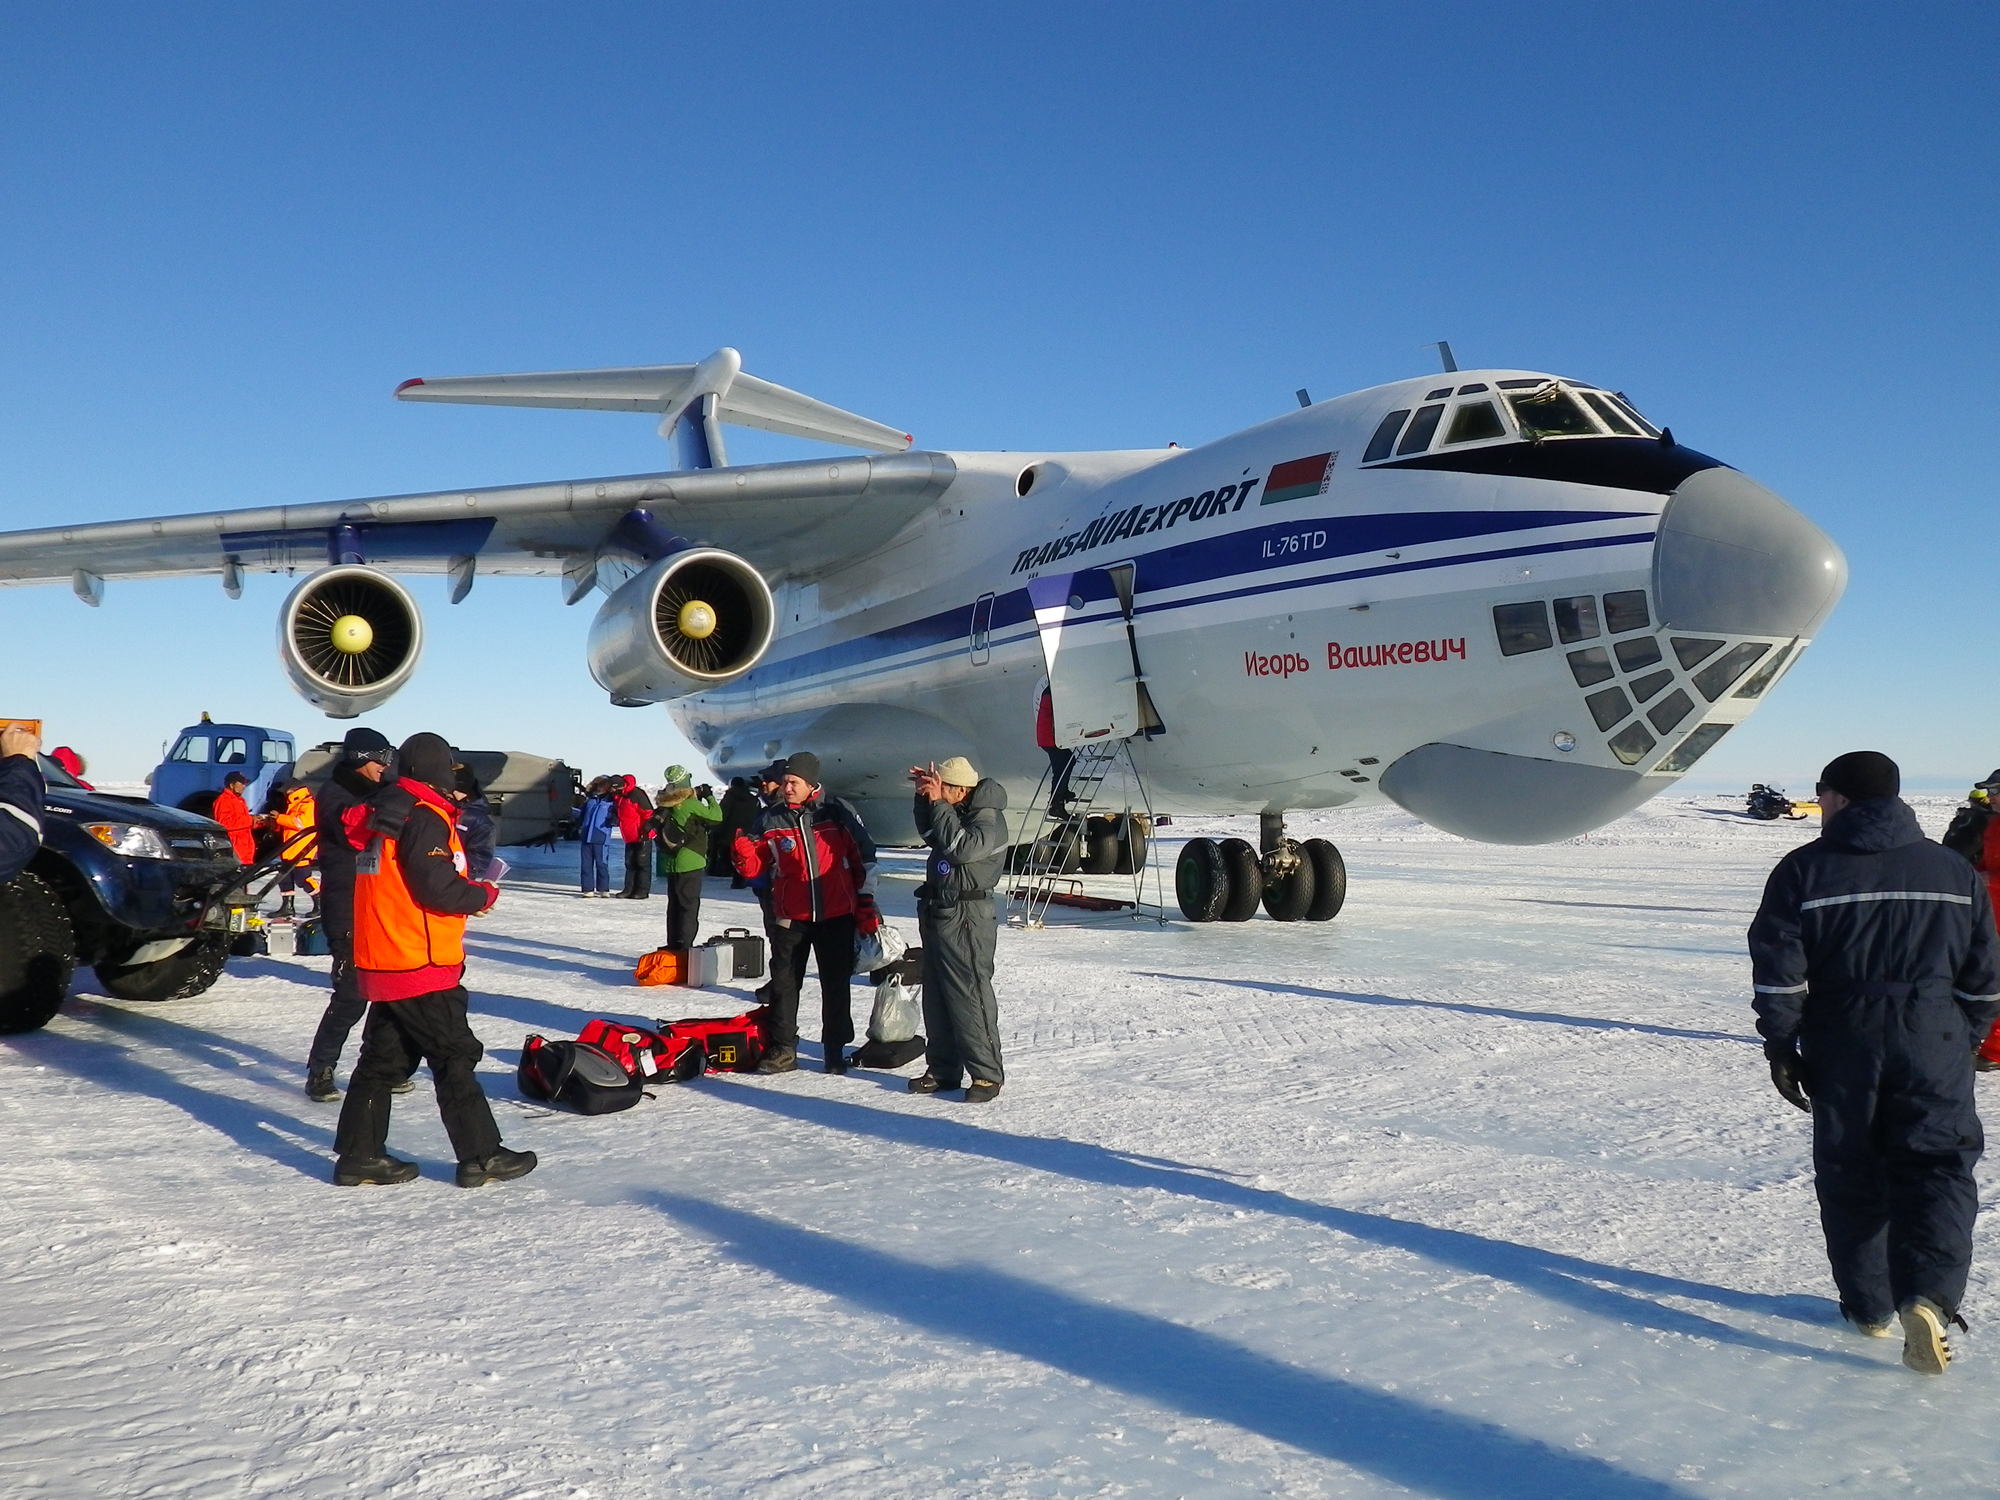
x=411, y=901
x=365, y=755
x=1874, y=962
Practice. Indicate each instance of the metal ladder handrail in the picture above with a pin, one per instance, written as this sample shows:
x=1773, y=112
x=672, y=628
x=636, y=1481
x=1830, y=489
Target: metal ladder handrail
x=1029, y=903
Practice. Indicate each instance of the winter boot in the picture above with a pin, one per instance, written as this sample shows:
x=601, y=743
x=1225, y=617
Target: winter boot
x=287, y=909
x=981, y=1092
x=320, y=1086
x=836, y=1061
x=779, y=1060
x=501, y=1166
x=371, y=1171
x=924, y=1083
x=1926, y=1348
x=404, y=1087
x=1872, y=1328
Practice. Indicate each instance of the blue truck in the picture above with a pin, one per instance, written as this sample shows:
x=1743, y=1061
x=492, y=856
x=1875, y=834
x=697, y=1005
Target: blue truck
x=201, y=755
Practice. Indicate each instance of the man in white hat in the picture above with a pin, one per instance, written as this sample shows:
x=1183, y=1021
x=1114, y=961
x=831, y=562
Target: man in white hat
x=962, y=819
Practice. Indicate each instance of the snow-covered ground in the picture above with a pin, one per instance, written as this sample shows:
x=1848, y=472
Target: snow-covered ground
x=1479, y=1191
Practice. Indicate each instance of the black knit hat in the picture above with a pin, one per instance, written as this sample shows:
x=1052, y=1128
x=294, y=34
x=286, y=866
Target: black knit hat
x=1862, y=774
x=427, y=758
x=362, y=743
x=805, y=766
x=775, y=771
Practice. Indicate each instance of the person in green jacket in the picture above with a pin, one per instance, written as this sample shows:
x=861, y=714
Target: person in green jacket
x=687, y=815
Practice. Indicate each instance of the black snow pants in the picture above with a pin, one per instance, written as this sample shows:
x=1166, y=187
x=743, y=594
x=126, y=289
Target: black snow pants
x=1895, y=1136
x=346, y=1007
x=961, y=1015
x=831, y=942
x=684, y=908
x=399, y=1034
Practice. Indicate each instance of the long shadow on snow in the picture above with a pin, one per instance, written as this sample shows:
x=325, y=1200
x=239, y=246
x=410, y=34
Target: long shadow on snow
x=115, y=1064
x=1501, y=1012
x=598, y=973
x=1619, y=1294
x=1432, y=1452
x=1710, y=911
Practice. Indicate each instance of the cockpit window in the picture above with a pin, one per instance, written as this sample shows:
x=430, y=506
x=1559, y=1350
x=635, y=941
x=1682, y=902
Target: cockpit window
x=1551, y=411
x=1422, y=426
x=1633, y=412
x=1474, y=422
x=1615, y=419
x=1385, y=436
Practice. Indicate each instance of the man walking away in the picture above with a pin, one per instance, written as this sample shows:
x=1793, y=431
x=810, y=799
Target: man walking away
x=819, y=900
x=411, y=899
x=635, y=827
x=357, y=776
x=1873, y=958
x=962, y=819
x=687, y=816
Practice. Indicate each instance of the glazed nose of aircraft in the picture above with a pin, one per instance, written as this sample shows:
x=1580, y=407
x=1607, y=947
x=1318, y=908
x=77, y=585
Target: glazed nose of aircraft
x=1734, y=559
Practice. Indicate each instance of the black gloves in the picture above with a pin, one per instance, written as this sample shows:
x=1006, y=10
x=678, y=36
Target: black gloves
x=1788, y=1072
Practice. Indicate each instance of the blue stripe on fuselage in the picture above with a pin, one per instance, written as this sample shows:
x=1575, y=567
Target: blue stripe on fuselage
x=1228, y=558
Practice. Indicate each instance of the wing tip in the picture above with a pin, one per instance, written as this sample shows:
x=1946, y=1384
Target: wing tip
x=408, y=384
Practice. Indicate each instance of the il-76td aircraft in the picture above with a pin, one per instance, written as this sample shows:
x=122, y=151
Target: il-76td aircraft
x=1500, y=599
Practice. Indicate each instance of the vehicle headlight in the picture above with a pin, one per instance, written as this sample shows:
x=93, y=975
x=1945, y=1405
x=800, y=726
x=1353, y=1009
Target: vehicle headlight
x=133, y=840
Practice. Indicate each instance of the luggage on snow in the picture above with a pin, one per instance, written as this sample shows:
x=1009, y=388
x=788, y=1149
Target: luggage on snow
x=644, y=1053
x=586, y=1078
x=693, y=967
x=741, y=953
x=729, y=1044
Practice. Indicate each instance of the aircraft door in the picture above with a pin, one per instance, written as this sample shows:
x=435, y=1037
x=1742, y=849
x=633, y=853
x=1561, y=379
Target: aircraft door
x=1087, y=647
x=981, y=638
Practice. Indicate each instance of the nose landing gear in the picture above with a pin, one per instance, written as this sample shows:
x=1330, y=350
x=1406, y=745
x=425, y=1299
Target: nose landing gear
x=1224, y=880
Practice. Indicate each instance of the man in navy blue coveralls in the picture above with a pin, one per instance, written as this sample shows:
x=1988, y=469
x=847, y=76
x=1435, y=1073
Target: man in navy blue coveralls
x=1873, y=958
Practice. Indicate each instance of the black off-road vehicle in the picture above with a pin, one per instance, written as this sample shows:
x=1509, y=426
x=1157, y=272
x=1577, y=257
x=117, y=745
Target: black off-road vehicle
x=140, y=892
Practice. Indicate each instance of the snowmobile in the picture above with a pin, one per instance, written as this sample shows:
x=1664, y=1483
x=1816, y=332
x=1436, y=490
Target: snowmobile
x=1766, y=803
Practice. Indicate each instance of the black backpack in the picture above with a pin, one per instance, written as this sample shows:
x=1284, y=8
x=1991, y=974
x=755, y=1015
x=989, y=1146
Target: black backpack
x=1966, y=836
x=586, y=1078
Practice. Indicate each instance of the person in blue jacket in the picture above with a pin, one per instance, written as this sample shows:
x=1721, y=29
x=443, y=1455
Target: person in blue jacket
x=21, y=792
x=594, y=827
x=1876, y=974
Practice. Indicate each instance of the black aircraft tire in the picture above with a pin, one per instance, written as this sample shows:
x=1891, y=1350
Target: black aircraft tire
x=1131, y=846
x=1100, y=846
x=1201, y=881
x=37, y=954
x=178, y=976
x=1291, y=899
x=1329, y=880
x=1246, y=880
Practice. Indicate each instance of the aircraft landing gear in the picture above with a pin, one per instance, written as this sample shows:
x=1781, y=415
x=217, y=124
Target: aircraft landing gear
x=1224, y=880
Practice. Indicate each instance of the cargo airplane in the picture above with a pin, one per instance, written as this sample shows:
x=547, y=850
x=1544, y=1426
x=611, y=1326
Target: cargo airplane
x=1502, y=600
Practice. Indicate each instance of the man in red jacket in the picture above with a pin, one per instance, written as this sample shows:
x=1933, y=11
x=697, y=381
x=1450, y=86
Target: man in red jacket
x=411, y=899
x=812, y=847
x=635, y=827
x=233, y=813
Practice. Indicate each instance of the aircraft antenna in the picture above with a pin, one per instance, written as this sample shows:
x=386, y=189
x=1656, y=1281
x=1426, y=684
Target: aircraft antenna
x=1304, y=399
x=1444, y=353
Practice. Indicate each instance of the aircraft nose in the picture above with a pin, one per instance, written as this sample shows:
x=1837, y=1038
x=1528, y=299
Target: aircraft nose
x=1734, y=559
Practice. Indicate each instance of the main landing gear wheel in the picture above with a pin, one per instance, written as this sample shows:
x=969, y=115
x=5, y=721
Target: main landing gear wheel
x=1246, y=880
x=1100, y=846
x=1289, y=898
x=1329, y=880
x=1201, y=880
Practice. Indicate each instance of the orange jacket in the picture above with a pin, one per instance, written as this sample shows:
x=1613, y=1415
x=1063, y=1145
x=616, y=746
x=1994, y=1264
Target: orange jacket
x=233, y=813
x=411, y=897
x=295, y=827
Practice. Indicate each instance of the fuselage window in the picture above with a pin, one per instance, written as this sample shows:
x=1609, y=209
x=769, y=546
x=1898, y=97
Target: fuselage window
x=1475, y=422
x=1385, y=436
x=1608, y=706
x=1590, y=666
x=1552, y=412
x=1522, y=627
x=1576, y=619
x=1720, y=675
x=1468, y=390
x=1693, y=748
x=1640, y=651
x=1437, y=395
x=1422, y=426
x=1631, y=743
x=1626, y=611
x=1613, y=417
x=1765, y=675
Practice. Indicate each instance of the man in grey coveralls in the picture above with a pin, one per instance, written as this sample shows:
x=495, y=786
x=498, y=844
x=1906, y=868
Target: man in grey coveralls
x=960, y=818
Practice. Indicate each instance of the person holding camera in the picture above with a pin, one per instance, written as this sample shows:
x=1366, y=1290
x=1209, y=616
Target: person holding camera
x=21, y=794
x=686, y=817
x=962, y=818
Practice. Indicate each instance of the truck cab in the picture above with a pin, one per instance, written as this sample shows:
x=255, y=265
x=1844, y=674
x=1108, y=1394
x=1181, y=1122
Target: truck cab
x=201, y=755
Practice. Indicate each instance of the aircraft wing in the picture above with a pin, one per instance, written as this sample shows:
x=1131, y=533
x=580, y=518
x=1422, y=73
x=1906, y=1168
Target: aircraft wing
x=785, y=518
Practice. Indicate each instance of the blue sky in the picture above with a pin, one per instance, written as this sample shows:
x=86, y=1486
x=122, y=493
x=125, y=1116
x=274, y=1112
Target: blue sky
x=233, y=229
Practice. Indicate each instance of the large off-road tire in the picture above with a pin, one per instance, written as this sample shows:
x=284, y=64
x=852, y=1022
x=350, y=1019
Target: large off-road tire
x=1131, y=844
x=1329, y=880
x=37, y=954
x=1246, y=880
x=1100, y=846
x=1290, y=898
x=1201, y=881
x=178, y=976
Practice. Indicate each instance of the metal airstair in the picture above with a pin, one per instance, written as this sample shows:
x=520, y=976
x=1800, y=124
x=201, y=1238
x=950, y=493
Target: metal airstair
x=1055, y=846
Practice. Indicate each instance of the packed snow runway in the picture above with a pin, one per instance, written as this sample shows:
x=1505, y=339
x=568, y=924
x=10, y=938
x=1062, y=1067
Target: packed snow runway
x=1480, y=1191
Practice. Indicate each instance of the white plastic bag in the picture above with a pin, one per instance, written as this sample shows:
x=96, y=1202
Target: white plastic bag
x=898, y=1011
x=878, y=950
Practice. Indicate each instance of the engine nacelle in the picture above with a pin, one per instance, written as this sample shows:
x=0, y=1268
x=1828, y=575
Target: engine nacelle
x=693, y=620
x=349, y=638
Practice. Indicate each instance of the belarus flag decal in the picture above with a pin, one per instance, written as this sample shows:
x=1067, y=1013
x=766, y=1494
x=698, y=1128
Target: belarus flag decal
x=1298, y=478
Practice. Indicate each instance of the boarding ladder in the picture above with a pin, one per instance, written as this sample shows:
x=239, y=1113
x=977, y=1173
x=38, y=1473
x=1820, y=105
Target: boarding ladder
x=1042, y=875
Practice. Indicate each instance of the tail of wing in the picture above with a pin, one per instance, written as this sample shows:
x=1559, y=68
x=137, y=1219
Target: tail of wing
x=693, y=402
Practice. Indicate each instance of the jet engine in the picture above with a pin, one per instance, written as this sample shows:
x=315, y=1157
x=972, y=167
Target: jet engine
x=349, y=638
x=692, y=620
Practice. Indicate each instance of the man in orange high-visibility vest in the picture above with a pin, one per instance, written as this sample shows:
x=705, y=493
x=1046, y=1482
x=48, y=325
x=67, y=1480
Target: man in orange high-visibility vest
x=411, y=899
